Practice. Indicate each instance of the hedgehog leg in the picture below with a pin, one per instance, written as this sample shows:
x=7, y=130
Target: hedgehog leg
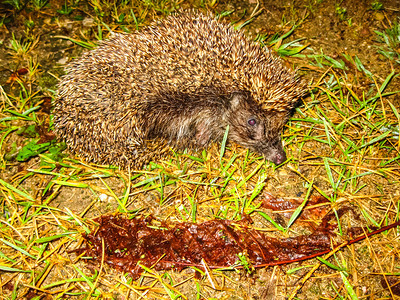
x=203, y=135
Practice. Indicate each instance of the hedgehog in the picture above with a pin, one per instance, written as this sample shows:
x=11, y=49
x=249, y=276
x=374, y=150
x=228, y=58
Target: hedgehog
x=182, y=83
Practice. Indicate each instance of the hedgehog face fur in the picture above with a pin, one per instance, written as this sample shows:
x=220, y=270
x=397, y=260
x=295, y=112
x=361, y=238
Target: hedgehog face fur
x=255, y=128
x=178, y=83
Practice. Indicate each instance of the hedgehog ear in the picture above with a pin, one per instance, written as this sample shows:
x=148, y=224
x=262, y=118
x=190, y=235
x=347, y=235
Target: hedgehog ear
x=236, y=99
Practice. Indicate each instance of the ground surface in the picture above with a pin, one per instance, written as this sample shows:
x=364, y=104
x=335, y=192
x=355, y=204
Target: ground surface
x=342, y=143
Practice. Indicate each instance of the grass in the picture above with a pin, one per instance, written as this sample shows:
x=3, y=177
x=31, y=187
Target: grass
x=391, y=40
x=343, y=143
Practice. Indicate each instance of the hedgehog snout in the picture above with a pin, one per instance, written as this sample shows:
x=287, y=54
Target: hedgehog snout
x=274, y=152
x=279, y=157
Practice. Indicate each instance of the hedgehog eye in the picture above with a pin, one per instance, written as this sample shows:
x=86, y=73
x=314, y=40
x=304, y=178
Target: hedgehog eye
x=252, y=122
